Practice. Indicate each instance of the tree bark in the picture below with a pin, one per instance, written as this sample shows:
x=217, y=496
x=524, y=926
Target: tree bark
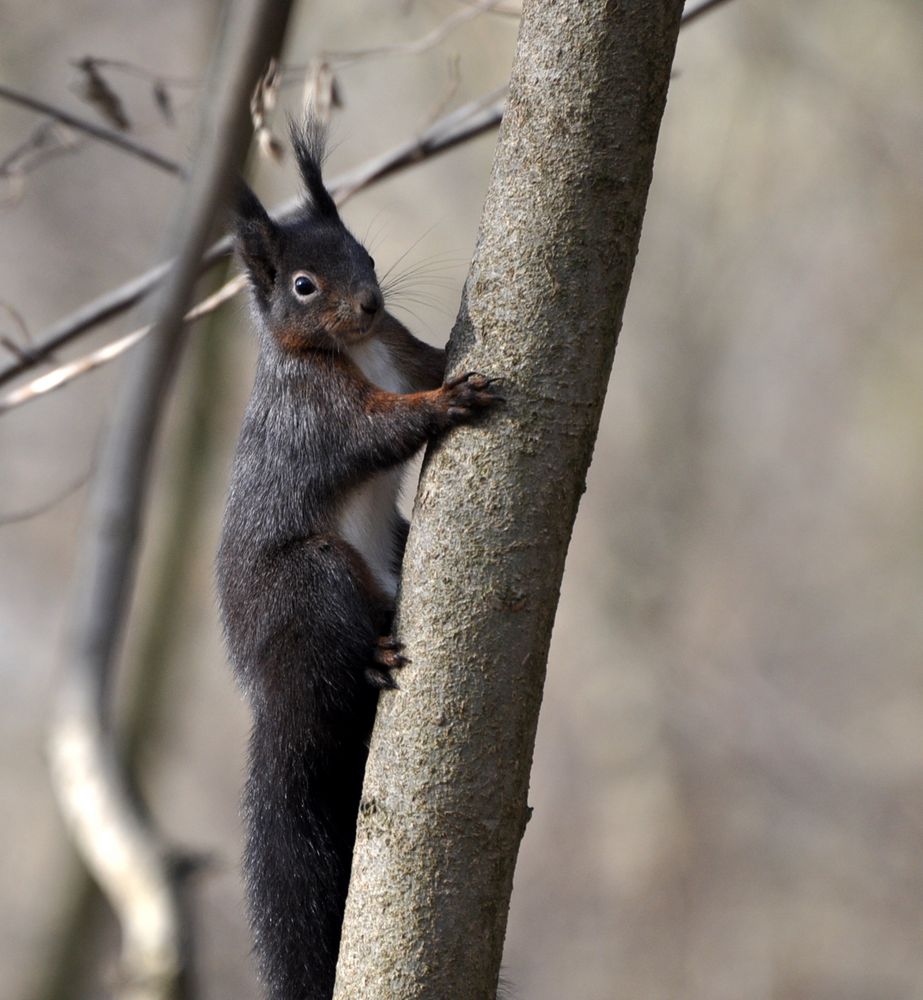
x=444, y=804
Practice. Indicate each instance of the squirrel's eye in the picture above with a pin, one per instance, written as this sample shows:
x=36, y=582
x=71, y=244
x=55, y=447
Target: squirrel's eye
x=372, y=261
x=304, y=286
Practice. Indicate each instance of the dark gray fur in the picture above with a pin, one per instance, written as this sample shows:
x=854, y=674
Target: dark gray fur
x=303, y=613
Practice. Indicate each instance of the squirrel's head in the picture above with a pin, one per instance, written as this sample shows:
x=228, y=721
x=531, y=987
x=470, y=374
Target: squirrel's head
x=313, y=282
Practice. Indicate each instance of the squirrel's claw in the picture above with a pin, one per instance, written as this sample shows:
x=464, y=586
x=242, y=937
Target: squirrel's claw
x=386, y=657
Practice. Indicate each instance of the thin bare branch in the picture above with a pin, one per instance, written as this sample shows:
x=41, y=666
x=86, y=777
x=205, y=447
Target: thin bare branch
x=88, y=317
x=47, y=138
x=133, y=69
x=454, y=74
x=465, y=123
x=417, y=45
x=117, y=843
x=18, y=321
x=503, y=11
x=703, y=8
x=109, y=352
x=161, y=84
x=107, y=135
x=17, y=517
x=13, y=347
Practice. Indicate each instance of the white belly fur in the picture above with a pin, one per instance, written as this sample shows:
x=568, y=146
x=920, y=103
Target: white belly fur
x=366, y=518
x=373, y=359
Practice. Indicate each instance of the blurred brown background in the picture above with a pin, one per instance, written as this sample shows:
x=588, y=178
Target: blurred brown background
x=728, y=783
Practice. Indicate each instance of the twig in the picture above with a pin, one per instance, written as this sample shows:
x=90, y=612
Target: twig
x=17, y=517
x=38, y=143
x=416, y=46
x=133, y=69
x=117, y=844
x=88, y=317
x=109, y=352
x=107, y=135
x=467, y=122
x=13, y=347
x=703, y=8
x=48, y=139
x=515, y=12
x=454, y=68
x=16, y=316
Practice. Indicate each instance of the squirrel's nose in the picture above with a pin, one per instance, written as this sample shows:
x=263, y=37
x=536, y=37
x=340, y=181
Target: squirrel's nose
x=370, y=300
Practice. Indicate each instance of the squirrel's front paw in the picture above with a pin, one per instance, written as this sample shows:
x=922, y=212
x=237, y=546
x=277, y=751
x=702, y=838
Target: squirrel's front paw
x=386, y=657
x=469, y=394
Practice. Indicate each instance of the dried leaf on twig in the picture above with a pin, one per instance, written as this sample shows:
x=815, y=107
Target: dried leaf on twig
x=163, y=101
x=261, y=104
x=321, y=89
x=97, y=92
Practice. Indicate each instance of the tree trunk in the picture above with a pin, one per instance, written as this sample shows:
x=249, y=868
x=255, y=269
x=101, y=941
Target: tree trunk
x=444, y=804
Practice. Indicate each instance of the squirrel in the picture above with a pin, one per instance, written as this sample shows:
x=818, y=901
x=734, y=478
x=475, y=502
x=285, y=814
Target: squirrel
x=310, y=554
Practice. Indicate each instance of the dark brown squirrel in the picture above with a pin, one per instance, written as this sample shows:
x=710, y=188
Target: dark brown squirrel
x=310, y=556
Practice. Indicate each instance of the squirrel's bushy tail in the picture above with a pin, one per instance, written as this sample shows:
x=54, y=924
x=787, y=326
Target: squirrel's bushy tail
x=303, y=637
x=301, y=823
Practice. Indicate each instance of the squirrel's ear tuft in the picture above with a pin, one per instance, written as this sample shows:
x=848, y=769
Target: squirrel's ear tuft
x=257, y=241
x=308, y=141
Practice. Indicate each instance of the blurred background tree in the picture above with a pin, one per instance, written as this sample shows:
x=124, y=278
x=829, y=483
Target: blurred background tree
x=727, y=780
